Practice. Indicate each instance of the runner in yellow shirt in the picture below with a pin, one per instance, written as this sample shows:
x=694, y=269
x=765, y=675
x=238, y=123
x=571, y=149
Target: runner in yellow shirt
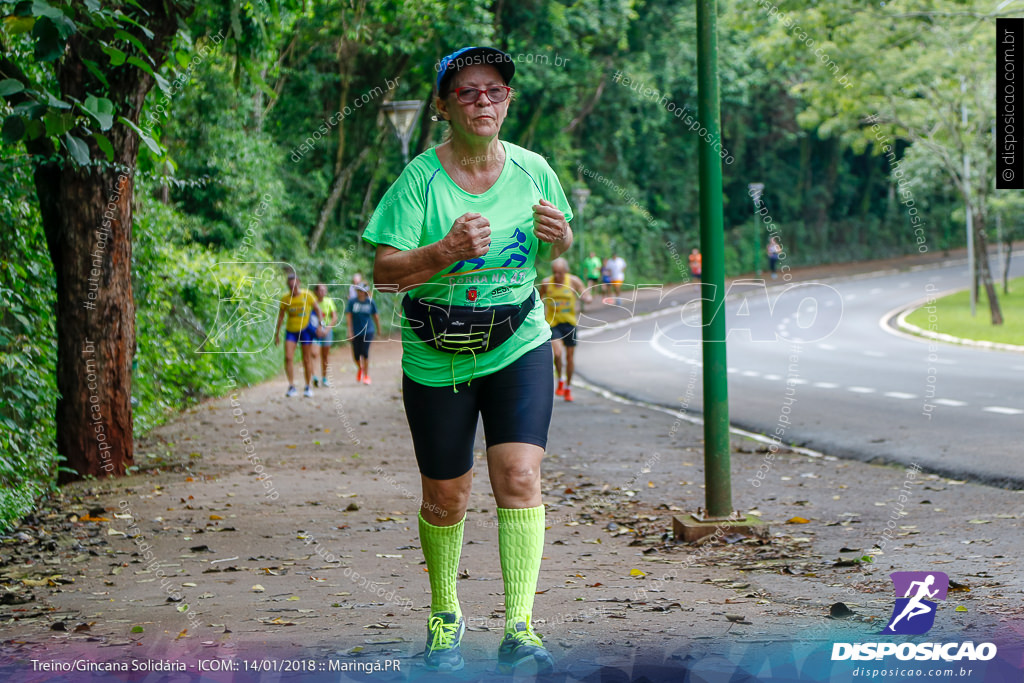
x=301, y=307
x=559, y=293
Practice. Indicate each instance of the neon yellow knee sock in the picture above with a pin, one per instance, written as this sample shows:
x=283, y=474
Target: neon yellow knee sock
x=442, y=546
x=521, y=545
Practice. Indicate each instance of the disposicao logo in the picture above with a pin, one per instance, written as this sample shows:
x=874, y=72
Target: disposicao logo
x=914, y=614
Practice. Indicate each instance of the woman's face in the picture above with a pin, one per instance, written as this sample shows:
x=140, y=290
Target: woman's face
x=482, y=118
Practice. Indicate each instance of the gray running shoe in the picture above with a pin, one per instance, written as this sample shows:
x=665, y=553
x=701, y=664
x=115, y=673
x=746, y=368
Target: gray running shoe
x=444, y=634
x=522, y=652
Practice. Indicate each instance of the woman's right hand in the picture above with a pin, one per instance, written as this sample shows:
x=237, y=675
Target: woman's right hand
x=470, y=237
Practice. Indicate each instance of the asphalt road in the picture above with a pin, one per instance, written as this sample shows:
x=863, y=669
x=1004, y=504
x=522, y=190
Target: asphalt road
x=816, y=367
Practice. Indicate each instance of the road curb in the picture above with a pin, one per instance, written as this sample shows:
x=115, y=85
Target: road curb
x=895, y=322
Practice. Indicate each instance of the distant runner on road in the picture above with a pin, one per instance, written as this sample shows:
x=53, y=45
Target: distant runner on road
x=325, y=335
x=363, y=323
x=559, y=293
x=617, y=268
x=695, y=264
x=592, y=270
x=303, y=311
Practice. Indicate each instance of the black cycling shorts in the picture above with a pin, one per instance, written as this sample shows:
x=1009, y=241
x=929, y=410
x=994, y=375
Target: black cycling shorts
x=361, y=346
x=566, y=332
x=515, y=403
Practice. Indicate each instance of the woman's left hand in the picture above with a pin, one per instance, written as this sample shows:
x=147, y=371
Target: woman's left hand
x=549, y=224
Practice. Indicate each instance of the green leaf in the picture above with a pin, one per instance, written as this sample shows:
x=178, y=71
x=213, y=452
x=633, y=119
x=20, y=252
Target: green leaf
x=101, y=109
x=54, y=102
x=137, y=629
x=104, y=144
x=152, y=144
x=141, y=64
x=79, y=150
x=9, y=86
x=41, y=8
x=127, y=19
x=124, y=35
x=16, y=25
x=117, y=57
x=49, y=44
x=94, y=69
x=13, y=130
x=93, y=5
x=35, y=129
x=58, y=123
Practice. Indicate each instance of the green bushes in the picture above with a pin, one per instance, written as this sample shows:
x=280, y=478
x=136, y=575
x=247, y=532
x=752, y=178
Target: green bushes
x=28, y=392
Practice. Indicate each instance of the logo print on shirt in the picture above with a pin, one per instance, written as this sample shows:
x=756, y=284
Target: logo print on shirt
x=471, y=294
x=519, y=241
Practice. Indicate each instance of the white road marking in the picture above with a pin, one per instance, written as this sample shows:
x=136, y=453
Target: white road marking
x=952, y=403
x=796, y=380
x=772, y=377
x=826, y=385
x=898, y=394
x=826, y=347
x=874, y=354
x=1003, y=411
x=876, y=290
x=732, y=370
x=750, y=373
x=849, y=297
x=862, y=390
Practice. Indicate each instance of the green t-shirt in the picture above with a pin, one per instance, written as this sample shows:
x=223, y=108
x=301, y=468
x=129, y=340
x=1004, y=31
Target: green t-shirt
x=419, y=209
x=591, y=268
x=327, y=306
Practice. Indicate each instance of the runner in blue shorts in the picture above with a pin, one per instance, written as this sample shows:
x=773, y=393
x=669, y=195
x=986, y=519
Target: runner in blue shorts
x=303, y=312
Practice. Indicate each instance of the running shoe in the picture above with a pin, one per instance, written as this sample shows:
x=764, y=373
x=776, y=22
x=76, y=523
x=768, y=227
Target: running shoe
x=359, y=376
x=568, y=394
x=308, y=393
x=316, y=382
x=292, y=392
x=366, y=378
x=561, y=388
x=444, y=634
x=522, y=652
x=325, y=382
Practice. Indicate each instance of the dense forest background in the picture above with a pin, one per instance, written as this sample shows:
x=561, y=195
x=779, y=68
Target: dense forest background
x=222, y=173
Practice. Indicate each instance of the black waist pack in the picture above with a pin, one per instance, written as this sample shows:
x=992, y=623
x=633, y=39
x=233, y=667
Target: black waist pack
x=464, y=328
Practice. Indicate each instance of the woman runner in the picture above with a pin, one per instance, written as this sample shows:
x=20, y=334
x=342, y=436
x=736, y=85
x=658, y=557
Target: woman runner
x=461, y=231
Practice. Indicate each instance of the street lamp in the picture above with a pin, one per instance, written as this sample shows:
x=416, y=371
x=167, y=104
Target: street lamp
x=579, y=197
x=402, y=115
x=755, y=190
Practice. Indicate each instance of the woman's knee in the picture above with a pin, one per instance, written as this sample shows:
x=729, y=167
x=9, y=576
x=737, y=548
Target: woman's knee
x=519, y=479
x=450, y=495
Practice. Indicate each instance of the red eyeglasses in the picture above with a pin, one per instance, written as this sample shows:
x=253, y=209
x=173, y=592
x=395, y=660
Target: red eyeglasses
x=495, y=93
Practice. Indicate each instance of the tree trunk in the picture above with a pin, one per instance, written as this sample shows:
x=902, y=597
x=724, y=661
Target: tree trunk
x=982, y=271
x=87, y=217
x=1006, y=266
x=95, y=314
x=338, y=186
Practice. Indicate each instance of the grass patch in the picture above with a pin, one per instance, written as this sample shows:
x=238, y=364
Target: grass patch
x=952, y=315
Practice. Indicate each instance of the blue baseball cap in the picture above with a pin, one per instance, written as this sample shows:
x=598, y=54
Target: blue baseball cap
x=468, y=56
